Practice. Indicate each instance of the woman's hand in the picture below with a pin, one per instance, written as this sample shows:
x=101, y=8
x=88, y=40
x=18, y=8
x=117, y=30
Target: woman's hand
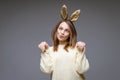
x=80, y=45
x=43, y=46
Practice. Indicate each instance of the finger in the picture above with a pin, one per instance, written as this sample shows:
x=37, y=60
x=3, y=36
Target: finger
x=81, y=46
x=41, y=46
x=46, y=45
x=82, y=43
x=43, y=49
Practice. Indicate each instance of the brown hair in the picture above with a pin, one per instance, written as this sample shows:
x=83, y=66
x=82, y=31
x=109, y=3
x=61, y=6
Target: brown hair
x=71, y=41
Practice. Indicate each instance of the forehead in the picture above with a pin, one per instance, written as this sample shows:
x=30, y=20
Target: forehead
x=64, y=25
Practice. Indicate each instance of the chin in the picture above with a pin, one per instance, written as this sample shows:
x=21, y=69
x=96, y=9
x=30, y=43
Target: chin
x=61, y=40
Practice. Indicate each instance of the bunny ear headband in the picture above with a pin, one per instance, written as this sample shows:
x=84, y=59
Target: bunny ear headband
x=73, y=17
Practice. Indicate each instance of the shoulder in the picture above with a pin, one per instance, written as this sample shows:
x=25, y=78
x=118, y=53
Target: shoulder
x=50, y=49
x=72, y=49
x=75, y=50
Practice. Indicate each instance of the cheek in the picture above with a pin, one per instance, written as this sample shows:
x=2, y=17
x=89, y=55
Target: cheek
x=67, y=35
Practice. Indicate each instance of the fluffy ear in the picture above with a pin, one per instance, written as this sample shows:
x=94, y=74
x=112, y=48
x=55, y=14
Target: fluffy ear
x=74, y=16
x=64, y=12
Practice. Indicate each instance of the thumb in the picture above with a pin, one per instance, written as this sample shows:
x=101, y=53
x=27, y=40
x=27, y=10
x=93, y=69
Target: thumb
x=46, y=45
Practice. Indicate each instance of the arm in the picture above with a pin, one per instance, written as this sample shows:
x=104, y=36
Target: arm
x=82, y=64
x=45, y=60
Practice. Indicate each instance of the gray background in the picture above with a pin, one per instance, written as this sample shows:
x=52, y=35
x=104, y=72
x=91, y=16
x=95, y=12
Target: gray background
x=25, y=23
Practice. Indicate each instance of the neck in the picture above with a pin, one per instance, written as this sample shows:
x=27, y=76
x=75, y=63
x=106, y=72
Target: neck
x=62, y=43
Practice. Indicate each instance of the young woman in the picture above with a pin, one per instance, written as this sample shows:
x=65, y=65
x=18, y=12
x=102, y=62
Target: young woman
x=66, y=59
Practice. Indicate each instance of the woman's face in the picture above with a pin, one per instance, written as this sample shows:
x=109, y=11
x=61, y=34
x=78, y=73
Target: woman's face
x=63, y=32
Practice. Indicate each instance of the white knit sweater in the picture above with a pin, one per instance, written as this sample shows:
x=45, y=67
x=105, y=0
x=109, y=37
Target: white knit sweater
x=64, y=65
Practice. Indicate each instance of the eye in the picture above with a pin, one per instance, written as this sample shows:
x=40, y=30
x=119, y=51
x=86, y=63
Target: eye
x=60, y=28
x=66, y=30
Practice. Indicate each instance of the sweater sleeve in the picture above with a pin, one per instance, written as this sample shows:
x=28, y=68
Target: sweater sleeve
x=46, y=62
x=82, y=64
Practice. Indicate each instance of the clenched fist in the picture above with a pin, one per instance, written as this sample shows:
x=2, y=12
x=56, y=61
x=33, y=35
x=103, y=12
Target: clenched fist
x=43, y=46
x=80, y=45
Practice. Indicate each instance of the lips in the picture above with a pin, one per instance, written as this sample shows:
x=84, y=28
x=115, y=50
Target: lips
x=61, y=36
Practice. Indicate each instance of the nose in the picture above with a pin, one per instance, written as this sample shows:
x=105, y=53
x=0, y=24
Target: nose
x=62, y=31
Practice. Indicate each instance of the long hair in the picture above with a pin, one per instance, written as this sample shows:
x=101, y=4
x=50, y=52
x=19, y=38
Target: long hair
x=71, y=41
